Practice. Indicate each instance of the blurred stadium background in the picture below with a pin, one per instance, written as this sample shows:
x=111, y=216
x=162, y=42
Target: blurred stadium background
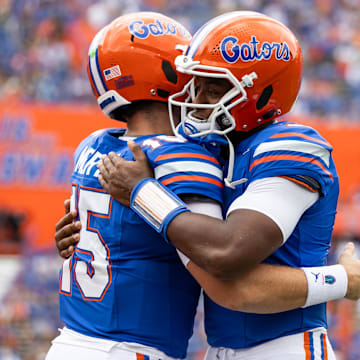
x=46, y=108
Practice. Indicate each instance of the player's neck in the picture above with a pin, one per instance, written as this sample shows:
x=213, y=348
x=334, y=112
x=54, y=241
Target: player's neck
x=148, y=123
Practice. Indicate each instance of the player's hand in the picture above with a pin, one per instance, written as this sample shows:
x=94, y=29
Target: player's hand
x=118, y=176
x=352, y=267
x=67, y=232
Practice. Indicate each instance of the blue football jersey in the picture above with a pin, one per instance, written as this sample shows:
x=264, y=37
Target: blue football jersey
x=298, y=153
x=124, y=282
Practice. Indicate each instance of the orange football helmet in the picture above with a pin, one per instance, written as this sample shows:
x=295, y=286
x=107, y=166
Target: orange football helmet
x=132, y=59
x=258, y=55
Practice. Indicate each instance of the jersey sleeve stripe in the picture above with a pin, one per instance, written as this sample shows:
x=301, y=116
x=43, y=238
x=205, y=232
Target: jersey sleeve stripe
x=324, y=353
x=142, y=357
x=295, y=145
x=294, y=134
x=187, y=166
x=308, y=345
x=302, y=183
x=186, y=155
x=196, y=178
x=291, y=158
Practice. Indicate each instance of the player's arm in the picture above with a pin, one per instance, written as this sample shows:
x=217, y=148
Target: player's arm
x=270, y=288
x=264, y=289
x=258, y=222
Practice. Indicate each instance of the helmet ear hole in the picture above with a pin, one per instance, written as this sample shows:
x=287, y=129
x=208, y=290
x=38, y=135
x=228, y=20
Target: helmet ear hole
x=264, y=97
x=269, y=114
x=163, y=93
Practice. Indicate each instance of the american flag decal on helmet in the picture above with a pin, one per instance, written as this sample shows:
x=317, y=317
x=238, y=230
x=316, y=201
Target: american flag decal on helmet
x=112, y=72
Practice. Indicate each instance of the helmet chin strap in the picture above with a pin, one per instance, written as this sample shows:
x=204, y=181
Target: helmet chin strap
x=228, y=180
x=194, y=125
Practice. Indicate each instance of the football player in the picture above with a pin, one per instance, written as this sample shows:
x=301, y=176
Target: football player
x=123, y=293
x=281, y=187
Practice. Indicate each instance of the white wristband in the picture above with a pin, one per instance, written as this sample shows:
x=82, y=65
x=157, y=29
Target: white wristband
x=156, y=204
x=325, y=283
x=185, y=260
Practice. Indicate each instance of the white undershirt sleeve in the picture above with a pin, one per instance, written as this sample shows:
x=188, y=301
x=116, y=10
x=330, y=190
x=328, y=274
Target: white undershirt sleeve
x=280, y=199
x=204, y=207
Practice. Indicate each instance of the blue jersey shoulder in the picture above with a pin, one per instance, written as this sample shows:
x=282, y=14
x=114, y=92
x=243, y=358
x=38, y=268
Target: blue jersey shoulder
x=185, y=167
x=90, y=150
x=295, y=151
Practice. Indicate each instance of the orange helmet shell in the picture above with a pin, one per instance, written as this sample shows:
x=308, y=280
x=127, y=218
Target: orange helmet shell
x=247, y=42
x=132, y=59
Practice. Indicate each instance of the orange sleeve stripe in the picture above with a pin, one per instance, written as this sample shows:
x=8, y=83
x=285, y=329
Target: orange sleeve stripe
x=192, y=178
x=287, y=134
x=142, y=357
x=323, y=338
x=290, y=157
x=186, y=155
x=307, y=345
x=300, y=183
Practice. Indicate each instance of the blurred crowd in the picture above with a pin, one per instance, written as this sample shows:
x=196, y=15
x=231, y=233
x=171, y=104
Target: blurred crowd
x=44, y=43
x=29, y=311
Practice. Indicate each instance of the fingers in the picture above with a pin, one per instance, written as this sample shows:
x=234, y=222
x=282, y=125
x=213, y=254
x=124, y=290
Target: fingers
x=66, y=237
x=109, y=164
x=116, y=161
x=67, y=242
x=104, y=165
x=67, y=230
x=138, y=153
x=349, y=249
x=103, y=183
x=352, y=268
x=67, y=206
x=67, y=253
x=66, y=245
x=66, y=219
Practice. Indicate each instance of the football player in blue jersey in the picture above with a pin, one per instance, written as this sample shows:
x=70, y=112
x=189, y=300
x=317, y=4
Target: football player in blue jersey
x=281, y=188
x=124, y=294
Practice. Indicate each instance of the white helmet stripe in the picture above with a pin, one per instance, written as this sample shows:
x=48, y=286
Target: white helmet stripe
x=93, y=80
x=95, y=74
x=212, y=24
x=94, y=64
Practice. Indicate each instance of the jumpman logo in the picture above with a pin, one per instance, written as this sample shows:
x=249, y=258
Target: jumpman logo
x=316, y=276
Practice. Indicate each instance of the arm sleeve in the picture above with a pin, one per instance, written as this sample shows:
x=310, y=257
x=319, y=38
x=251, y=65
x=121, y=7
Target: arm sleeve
x=281, y=200
x=204, y=207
